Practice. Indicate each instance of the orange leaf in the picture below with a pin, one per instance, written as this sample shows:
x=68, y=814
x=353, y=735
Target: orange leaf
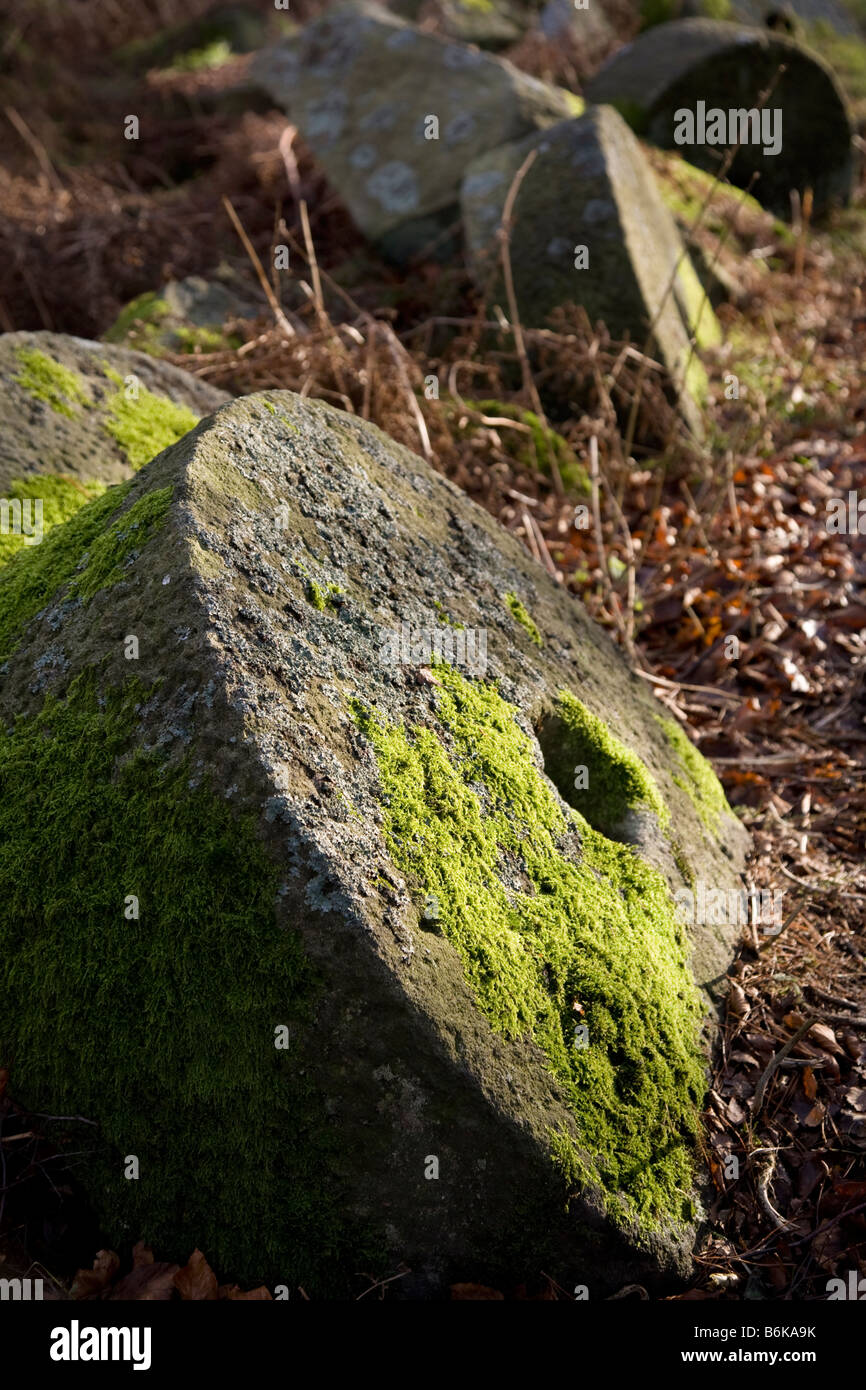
x=89, y=1283
x=196, y=1282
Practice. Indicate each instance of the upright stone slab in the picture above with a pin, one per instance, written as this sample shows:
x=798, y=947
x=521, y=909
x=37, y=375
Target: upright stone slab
x=727, y=67
x=292, y=909
x=77, y=417
x=590, y=187
x=394, y=115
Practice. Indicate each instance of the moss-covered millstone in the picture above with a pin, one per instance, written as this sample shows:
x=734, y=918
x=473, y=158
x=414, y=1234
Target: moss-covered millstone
x=590, y=187
x=394, y=115
x=292, y=908
x=77, y=418
x=728, y=67
x=191, y=315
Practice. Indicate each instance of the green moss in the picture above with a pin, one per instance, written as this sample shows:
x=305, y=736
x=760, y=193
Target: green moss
x=160, y=1029
x=660, y=11
x=51, y=382
x=846, y=55
x=618, y=781
x=140, y=321
x=210, y=55
x=695, y=307
x=320, y=598
x=109, y=551
x=556, y=927
x=520, y=615
x=699, y=781
x=445, y=616
x=145, y=425
x=35, y=574
x=61, y=498
x=546, y=447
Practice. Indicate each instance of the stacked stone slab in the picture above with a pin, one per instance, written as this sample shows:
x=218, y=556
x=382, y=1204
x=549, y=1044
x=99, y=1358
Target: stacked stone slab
x=673, y=67
x=394, y=115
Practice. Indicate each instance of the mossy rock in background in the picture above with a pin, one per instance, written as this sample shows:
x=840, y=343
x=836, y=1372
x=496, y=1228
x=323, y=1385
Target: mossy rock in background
x=362, y=87
x=79, y=416
x=220, y=33
x=590, y=186
x=728, y=66
x=492, y=24
x=720, y=225
x=189, y=315
x=292, y=908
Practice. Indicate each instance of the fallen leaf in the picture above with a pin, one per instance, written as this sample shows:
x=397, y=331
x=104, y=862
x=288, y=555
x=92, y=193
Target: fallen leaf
x=147, y=1283
x=196, y=1282
x=738, y=1004
x=823, y=1036
x=260, y=1295
x=90, y=1283
x=810, y=1085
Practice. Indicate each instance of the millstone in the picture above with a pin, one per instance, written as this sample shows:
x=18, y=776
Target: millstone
x=338, y=848
x=728, y=67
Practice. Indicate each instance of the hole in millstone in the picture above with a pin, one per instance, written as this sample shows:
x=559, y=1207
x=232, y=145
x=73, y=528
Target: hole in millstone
x=601, y=786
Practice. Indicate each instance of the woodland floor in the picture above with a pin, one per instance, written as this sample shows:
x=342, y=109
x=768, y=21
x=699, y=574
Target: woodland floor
x=685, y=548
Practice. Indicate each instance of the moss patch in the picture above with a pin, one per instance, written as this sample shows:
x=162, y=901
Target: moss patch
x=520, y=615
x=86, y=553
x=329, y=597
x=544, y=446
x=699, y=782
x=49, y=381
x=145, y=425
x=140, y=320
x=161, y=1028
x=61, y=498
x=552, y=938
x=36, y=573
x=617, y=780
x=113, y=547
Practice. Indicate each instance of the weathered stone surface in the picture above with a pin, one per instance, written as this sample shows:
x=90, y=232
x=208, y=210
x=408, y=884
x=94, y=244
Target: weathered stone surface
x=274, y=826
x=183, y=316
x=834, y=13
x=590, y=28
x=672, y=67
x=481, y=22
x=361, y=86
x=590, y=186
x=78, y=416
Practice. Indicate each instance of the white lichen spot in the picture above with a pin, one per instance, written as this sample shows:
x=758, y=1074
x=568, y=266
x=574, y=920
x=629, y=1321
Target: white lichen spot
x=363, y=157
x=460, y=128
x=381, y=118
x=395, y=187
x=326, y=117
